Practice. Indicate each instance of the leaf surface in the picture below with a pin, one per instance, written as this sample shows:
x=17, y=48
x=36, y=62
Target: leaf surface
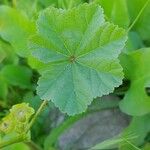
x=17, y=75
x=142, y=25
x=15, y=28
x=116, y=11
x=136, y=67
x=138, y=127
x=80, y=53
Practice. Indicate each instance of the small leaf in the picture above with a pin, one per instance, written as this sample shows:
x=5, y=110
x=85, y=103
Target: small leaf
x=17, y=120
x=80, y=53
x=22, y=112
x=7, y=125
x=15, y=28
x=136, y=67
x=17, y=75
x=139, y=127
x=8, y=53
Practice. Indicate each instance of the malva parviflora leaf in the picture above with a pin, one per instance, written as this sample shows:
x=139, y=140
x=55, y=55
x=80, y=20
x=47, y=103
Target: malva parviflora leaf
x=80, y=53
x=136, y=67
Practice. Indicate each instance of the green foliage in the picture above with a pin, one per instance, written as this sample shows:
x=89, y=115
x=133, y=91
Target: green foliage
x=70, y=52
x=66, y=4
x=17, y=75
x=139, y=127
x=146, y=147
x=136, y=69
x=18, y=146
x=17, y=120
x=15, y=124
x=142, y=26
x=7, y=53
x=15, y=28
x=76, y=57
x=3, y=88
x=113, y=143
x=120, y=17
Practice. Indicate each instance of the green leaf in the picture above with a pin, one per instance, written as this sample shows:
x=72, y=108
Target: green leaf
x=18, y=146
x=15, y=28
x=61, y=3
x=8, y=53
x=143, y=23
x=2, y=54
x=80, y=53
x=136, y=67
x=29, y=7
x=112, y=143
x=17, y=75
x=22, y=112
x=3, y=88
x=116, y=11
x=35, y=63
x=146, y=147
x=134, y=42
x=139, y=127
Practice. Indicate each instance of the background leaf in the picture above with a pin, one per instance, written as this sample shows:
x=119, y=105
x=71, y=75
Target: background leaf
x=17, y=76
x=116, y=11
x=139, y=127
x=15, y=28
x=136, y=101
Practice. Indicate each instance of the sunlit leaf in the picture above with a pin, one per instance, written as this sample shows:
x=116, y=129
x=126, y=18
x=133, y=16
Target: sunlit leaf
x=80, y=51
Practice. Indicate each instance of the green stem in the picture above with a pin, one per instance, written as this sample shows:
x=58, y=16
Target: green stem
x=138, y=16
x=44, y=103
x=13, y=141
x=56, y=132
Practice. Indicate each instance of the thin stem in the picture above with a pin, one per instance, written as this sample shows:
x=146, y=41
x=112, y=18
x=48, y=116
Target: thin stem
x=44, y=103
x=13, y=141
x=138, y=16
